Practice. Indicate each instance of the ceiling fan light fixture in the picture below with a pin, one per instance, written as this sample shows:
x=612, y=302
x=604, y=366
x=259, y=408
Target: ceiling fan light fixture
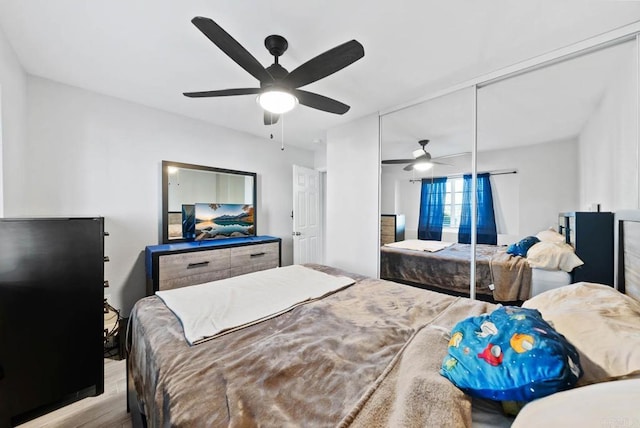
x=422, y=166
x=277, y=101
x=417, y=153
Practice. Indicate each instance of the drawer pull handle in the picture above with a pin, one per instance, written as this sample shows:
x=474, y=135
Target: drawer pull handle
x=258, y=254
x=195, y=265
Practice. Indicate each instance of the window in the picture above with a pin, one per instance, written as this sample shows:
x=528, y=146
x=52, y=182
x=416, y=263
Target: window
x=453, y=203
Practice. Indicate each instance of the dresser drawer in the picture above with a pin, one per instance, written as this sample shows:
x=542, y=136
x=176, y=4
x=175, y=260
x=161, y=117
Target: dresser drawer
x=386, y=221
x=386, y=238
x=193, y=263
x=388, y=229
x=255, y=255
x=199, y=262
x=199, y=278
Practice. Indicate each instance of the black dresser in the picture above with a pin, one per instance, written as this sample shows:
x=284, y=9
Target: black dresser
x=51, y=314
x=591, y=234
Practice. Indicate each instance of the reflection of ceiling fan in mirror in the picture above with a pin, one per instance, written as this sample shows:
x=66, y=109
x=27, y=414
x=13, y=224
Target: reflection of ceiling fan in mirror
x=421, y=161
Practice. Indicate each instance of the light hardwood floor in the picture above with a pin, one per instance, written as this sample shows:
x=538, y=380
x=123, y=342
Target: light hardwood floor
x=105, y=410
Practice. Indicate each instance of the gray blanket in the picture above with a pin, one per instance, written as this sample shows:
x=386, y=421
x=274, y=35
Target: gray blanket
x=449, y=269
x=365, y=356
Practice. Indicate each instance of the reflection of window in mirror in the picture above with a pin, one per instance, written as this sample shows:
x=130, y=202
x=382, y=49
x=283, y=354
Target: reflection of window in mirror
x=453, y=204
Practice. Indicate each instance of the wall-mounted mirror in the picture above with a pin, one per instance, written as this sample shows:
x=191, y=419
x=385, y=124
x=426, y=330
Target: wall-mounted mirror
x=184, y=185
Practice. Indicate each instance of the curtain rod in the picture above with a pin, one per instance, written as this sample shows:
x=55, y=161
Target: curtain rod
x=501, y=172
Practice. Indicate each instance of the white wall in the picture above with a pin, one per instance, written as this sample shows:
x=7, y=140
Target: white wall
x=609, y=172
x=90, y=154
x=13, y=116
x=545, y=185
x=353, y=225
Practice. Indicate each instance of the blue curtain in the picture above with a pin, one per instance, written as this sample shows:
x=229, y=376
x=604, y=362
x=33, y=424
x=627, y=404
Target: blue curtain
x=486, y=228
x=432, y=208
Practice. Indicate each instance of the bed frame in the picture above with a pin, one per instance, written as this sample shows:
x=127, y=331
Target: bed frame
x=627, y=252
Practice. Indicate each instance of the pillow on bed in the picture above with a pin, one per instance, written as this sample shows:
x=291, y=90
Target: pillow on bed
x=550, y=235
x=511, y=354
x=521, y=247
x=602, y=323
x=553, y=256
x=610, y=404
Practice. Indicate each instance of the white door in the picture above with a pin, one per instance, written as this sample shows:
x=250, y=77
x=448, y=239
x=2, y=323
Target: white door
x=306, y=215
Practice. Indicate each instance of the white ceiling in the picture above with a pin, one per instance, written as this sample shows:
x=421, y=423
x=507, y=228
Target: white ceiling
x=547, y=104
x=148, y=52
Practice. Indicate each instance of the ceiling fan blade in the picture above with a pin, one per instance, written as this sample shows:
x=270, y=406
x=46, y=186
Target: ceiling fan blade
x=270, y=118
x=232, y=48
x=408, y=167
x=325, y=64
x=396, y=161
x=320, y=102
x=222, y=93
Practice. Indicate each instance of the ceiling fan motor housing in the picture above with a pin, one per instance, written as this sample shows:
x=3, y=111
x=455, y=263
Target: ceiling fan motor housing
x=276, y=45
x=276, y=71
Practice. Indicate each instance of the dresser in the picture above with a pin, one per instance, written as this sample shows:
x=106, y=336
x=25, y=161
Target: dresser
x=51, y=314
x=391, y=228
x=591, y=234
x=178, y=265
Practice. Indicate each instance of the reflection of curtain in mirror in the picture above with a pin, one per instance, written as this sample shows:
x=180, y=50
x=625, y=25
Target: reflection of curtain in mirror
x=486, y=228
x=432, y=208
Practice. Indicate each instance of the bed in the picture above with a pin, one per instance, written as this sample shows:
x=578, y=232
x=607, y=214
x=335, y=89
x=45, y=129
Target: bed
x=365, y=355
x=500, y=277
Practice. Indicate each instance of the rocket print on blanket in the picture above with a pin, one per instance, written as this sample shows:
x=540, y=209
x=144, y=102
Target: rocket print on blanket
x=511, y=354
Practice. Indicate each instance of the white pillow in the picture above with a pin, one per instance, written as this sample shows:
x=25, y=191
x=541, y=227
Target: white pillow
x=602, y=323
x=550, y=235
x=553, y=256
x=609, y=404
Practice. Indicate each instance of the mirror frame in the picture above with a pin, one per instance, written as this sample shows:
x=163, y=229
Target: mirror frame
x=165, y=193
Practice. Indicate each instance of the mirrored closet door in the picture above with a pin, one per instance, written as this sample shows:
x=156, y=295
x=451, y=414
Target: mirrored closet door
x=445, y=126
x=570, y=131
x=425, y=151
x=555, y=139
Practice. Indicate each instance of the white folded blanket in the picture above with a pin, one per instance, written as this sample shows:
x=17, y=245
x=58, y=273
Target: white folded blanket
x=214, y=308
x=420, y=245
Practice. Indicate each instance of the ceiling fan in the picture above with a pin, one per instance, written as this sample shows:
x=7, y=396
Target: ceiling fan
x=421, y=161
x=278, y=91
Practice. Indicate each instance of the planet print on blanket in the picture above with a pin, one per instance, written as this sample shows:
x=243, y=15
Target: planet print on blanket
x=511, y=354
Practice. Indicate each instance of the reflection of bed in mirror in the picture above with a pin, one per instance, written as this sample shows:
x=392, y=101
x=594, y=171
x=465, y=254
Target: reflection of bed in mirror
x=371, y=354
x=500, y=277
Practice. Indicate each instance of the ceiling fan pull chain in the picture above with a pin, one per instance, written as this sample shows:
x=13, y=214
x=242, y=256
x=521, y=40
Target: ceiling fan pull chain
x=282, y=133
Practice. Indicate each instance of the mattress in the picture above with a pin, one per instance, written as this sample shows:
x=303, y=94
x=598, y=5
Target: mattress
x=543, y=280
